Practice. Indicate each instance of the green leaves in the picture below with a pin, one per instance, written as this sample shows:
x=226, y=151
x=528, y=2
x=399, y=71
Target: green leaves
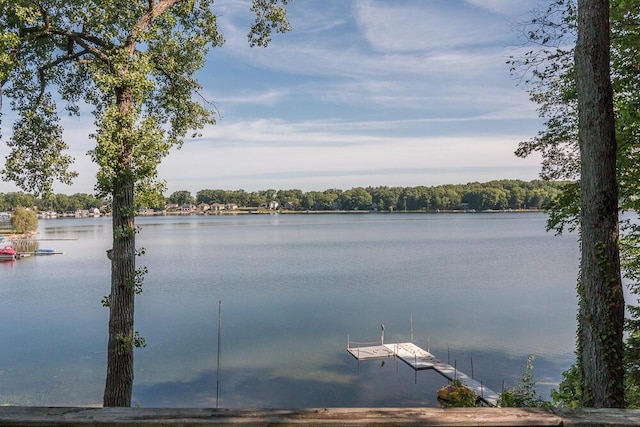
x=524, y=394
x=24, y=220
x=89, y=52
x=36, y=159
x=138, y=280
x=569, y=392
x=133, y=61
x=547, y=72
x=131, y=342
x=271, y=15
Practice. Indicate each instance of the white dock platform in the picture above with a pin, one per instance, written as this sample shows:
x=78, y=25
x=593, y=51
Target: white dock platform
x=371, y=352
x=420, y=359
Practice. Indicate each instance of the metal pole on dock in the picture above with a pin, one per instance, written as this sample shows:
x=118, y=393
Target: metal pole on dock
x=472, y=376
x=411, y=334
x=218, y=367
x=382, y=334
x=396, y=356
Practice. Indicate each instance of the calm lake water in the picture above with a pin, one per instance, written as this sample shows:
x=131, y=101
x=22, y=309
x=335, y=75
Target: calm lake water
x=481, y=290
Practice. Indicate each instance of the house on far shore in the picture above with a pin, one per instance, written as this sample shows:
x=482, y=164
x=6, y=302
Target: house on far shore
x=171, y=206
x=216, y=207
x=203, y=207
x=272, y=205
x=146, y=212
x=230, y=206
x=187, y=208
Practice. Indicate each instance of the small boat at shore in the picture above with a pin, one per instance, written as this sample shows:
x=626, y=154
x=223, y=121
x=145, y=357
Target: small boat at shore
x=7, y=253
x=44, y=252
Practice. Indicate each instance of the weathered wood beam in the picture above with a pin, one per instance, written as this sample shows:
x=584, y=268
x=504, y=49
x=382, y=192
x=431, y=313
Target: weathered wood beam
x=153, y=417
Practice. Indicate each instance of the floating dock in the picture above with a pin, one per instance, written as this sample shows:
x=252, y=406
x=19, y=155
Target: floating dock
x=420, y=359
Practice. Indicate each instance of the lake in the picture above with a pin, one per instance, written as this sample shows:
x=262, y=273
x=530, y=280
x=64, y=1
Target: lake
x=483, y=291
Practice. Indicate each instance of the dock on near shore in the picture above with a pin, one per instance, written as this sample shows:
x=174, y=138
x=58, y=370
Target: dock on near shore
x=420, y=359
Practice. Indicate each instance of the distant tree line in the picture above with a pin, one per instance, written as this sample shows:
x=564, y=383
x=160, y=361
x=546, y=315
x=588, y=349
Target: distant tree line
x=56, y=203
x=493, y=195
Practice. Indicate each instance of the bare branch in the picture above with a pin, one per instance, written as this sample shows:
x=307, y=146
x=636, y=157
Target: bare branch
x=60, y=60
x=44, y=14
x=172, y=75
x=145, y=21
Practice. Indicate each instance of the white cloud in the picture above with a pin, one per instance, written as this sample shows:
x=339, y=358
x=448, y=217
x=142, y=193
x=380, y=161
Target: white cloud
x=411, y=71
x=424, y=26
x=511, y=8
x=266, y=154
x=266, y=97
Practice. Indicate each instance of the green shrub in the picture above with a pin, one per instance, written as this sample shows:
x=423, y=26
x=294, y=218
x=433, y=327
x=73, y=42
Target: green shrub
x=24, y=220
x=457, y=395
x=524, y=394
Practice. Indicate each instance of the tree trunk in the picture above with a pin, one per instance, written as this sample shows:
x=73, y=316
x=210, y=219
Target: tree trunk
x=119, y=381
x=601, y=312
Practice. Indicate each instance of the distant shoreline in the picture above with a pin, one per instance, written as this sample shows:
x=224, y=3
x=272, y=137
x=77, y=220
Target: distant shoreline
x=247, y=211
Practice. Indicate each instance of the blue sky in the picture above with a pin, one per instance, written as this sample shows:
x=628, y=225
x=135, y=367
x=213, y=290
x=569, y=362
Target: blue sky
x=380, y=92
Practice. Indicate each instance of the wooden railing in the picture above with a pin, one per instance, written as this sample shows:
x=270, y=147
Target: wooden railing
x=153, y=417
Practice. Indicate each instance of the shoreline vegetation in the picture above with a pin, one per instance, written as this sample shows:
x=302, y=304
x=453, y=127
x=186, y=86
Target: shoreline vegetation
x=248, y=211
x=492, y=196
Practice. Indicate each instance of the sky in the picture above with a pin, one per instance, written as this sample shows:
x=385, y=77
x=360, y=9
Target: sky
x=360, y=93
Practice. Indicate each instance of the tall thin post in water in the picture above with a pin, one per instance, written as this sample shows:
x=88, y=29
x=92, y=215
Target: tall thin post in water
x=218, y=367
x=396, y=356
x=411, y=337
x=472, y=376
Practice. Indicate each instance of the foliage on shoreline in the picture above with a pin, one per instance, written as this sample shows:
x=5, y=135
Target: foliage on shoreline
x=57, y=203
x=523, y=394
x=457, y=395
x=24, y=220
x=492, y=195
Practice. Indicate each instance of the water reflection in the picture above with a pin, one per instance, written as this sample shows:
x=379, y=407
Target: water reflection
x=494, y=288
x=388, y=383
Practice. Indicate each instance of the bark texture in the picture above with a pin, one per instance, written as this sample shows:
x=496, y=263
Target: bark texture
x=601, y=312
x=119, y=381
